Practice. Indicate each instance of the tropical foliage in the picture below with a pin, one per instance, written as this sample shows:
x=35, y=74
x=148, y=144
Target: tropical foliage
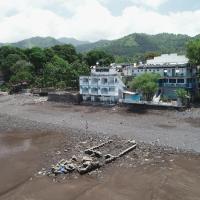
x=59, y=66
x=146, y=83
x=193, y=51
x=182, y=94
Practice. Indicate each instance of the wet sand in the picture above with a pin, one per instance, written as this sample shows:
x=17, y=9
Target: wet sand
x=31, y=134
x=171, y=177
x=172, y=128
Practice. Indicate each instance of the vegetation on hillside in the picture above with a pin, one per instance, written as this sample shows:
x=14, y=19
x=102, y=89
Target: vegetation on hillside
x=127, y=49
x=44, y=42
x=130, y=48
x=59, y=66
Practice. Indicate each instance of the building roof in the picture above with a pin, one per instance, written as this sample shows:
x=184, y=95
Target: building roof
x=168, y=59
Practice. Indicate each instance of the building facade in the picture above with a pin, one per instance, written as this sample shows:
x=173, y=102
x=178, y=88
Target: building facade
x=103, y=85
x=175, y=72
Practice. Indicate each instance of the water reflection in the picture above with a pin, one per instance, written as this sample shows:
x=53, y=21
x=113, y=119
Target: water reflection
x=12, y=148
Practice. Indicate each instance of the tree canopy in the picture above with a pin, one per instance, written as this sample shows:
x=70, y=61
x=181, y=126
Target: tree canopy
x=193, y=51
x=146, y=83
x=59, y=66
x=101, y=57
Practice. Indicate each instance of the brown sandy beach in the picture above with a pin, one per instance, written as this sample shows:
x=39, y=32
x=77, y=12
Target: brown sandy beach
x=31, y=133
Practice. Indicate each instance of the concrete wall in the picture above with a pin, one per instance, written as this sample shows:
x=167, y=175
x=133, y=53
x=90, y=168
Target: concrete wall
x=74, y=98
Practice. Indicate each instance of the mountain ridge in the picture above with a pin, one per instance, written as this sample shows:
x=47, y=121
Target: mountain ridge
x=72, y=41
x=138, y=43
x=43, y=42
x=128, y=46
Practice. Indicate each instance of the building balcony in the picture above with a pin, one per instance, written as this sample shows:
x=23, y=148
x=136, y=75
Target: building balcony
x=183, y=75
x=84, y=91
x=94, y=91
x=177, y=85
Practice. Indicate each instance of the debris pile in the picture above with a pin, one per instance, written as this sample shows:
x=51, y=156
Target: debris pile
x=92, y=159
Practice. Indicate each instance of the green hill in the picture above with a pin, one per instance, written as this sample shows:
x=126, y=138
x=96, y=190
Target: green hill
x=128, y=46
x=138, y=43
x=72, y=41
x=42, y=42
x=96, y=45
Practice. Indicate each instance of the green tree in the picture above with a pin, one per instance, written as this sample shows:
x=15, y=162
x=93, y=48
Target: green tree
x=56, y=71
x=66, y=52
x=8, y=57
x=193, y=52
x=21, y=76
x=49, y=54
x=22, y=71
x=37, y=57
x=147, y=84
x=95, y=56
x=182, y=94
x=22, y=65
x=78, y=69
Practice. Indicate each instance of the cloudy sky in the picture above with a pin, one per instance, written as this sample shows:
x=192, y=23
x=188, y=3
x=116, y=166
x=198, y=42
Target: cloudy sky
x=96, y=19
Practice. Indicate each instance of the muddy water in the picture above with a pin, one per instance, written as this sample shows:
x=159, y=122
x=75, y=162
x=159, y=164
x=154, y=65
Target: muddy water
x=21, y=157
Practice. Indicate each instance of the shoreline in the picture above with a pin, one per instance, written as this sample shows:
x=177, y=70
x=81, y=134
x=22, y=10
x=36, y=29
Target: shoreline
x=33, y=136
x=179, y=130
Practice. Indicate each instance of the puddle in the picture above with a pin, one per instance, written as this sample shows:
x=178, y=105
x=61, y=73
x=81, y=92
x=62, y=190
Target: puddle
x=12, y=148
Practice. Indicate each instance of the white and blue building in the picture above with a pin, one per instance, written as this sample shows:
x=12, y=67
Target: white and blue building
x=175, y=71
x=103, y=85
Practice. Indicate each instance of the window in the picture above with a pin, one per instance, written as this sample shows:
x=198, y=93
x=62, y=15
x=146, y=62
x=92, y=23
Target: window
x=172, y=80
x=180, y=81
x=112, y=89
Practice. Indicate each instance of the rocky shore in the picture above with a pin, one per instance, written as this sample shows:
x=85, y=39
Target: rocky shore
x=35, y=134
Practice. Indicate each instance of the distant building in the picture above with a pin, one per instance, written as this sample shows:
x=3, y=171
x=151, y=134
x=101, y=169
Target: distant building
x=103, y=85
x=175, y=71
x=124, y=68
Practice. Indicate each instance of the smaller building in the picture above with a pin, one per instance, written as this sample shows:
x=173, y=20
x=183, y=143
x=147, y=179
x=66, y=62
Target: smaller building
x=124, y=68
x=103, y=85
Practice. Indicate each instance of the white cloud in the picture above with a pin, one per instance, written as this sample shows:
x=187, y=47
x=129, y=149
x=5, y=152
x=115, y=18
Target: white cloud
x=149, y=3
x=88, y=20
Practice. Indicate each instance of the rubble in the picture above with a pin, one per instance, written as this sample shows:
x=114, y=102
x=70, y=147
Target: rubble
x=88, y=167
x=92, y=159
